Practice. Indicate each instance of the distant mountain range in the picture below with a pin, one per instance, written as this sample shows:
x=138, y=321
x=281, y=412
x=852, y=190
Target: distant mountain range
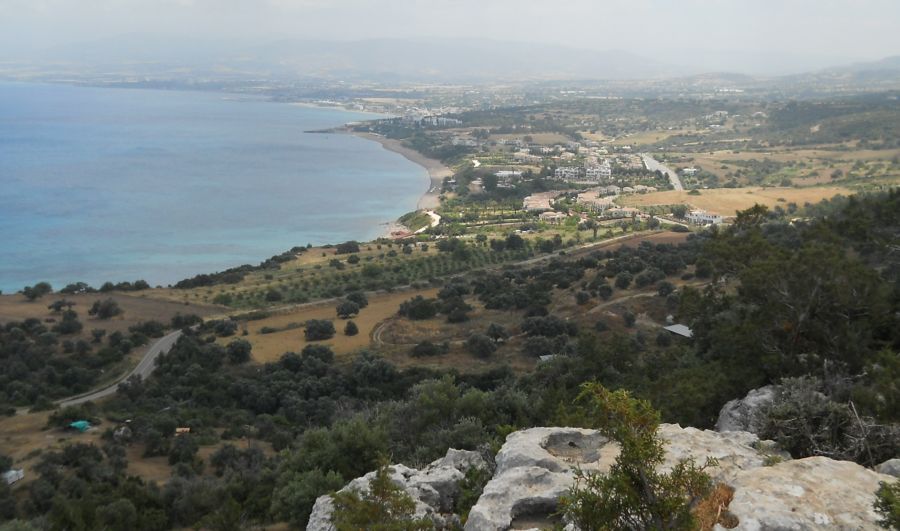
x=397, y=60
x=443, y=60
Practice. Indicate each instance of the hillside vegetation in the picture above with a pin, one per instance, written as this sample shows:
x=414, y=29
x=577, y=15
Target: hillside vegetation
x=812, y=305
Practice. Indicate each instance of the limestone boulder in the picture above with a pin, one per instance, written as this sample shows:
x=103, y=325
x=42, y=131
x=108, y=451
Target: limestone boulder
x=890, y=467
x=747, y=414
x=811, y=493
x=735, y=451
x=534, y=469
x=433, y=489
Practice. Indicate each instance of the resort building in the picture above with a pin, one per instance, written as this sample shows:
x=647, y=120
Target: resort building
x=567, y=173
x=702, y=217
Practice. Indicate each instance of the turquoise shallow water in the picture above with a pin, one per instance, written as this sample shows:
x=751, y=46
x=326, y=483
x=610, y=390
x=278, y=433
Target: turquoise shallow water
x=114, y=184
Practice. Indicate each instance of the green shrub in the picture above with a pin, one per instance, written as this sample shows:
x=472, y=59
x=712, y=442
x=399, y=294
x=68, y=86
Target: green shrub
x=633, y=494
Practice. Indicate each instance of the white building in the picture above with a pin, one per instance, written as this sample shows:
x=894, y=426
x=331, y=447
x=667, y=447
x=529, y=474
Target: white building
x=690, y=172
x=702, y=217
x=567, y=173
x=553, y=217
x=599, y=172
x=440, y=121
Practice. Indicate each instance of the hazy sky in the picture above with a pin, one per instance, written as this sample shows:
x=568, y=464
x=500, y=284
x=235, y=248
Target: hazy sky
x=828, y=29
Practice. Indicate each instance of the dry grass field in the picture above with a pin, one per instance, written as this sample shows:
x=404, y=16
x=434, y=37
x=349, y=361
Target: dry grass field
x=539, y=138
x=650, y=137
x=25, y=438
x=138, y=307
x=726, y=201
x=270, y=347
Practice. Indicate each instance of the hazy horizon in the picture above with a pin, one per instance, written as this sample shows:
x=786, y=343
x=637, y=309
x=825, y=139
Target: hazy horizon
x=765, y=37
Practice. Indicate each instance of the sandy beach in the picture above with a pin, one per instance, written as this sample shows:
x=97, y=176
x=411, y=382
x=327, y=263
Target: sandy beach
x=436, y=170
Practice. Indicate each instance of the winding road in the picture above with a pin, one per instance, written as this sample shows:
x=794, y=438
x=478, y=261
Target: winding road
x=654, y=165
x=143, y=369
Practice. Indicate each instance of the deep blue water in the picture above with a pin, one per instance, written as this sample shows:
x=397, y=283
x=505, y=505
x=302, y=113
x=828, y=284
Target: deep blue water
x=115, y=184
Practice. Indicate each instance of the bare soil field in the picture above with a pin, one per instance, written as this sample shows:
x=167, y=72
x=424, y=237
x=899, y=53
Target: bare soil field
x=726, y=201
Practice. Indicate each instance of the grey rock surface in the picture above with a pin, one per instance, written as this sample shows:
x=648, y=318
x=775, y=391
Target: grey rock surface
x=890, y=467
x=811, y=493
x=746, y=414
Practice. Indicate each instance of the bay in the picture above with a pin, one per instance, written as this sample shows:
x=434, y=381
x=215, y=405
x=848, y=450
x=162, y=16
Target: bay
x=102, y=184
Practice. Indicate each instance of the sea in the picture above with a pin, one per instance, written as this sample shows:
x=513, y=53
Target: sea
x=112, y=184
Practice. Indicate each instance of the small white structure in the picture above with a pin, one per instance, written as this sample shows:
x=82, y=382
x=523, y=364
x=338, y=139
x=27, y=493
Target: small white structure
x=690, y=172
x=12, y=476
x=702, y=217
x=680, y=330
x=553, y=217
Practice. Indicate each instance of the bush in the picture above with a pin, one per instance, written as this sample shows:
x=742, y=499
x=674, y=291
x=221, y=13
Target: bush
x=37, y=291
x=359, y=298
x=623, y=280
x=665, y=288
x=549, y=326
x=347, y=309
x=480, y=345
x=184, y=321
x=805, y=422
x=350, y=329
x=347, y=247
x=105, y=309
x=496, y=332
x=273, y=295
x=318, y=330
x=426, y=349
x=663, y=339
x=239, y=351
x=633, y=494
x=605, y=291
x=419, y=308
x=582, y=297
x=887, y=504
x=384, y=506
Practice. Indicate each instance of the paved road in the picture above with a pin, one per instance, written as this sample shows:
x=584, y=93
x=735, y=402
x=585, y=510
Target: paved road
x=653, y=165
x=143, y=369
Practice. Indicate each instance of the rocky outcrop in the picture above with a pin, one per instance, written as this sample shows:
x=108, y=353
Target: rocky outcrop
x=433, y=489
x=890, y=467
x=534, y=468
x=735, y=451
x=811, y=493
x=747, y=414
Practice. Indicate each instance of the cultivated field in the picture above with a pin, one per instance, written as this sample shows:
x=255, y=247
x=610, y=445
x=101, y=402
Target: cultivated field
x=726, y=201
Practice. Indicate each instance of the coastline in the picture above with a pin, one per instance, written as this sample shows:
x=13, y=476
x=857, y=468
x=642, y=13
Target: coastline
x=436, y=170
